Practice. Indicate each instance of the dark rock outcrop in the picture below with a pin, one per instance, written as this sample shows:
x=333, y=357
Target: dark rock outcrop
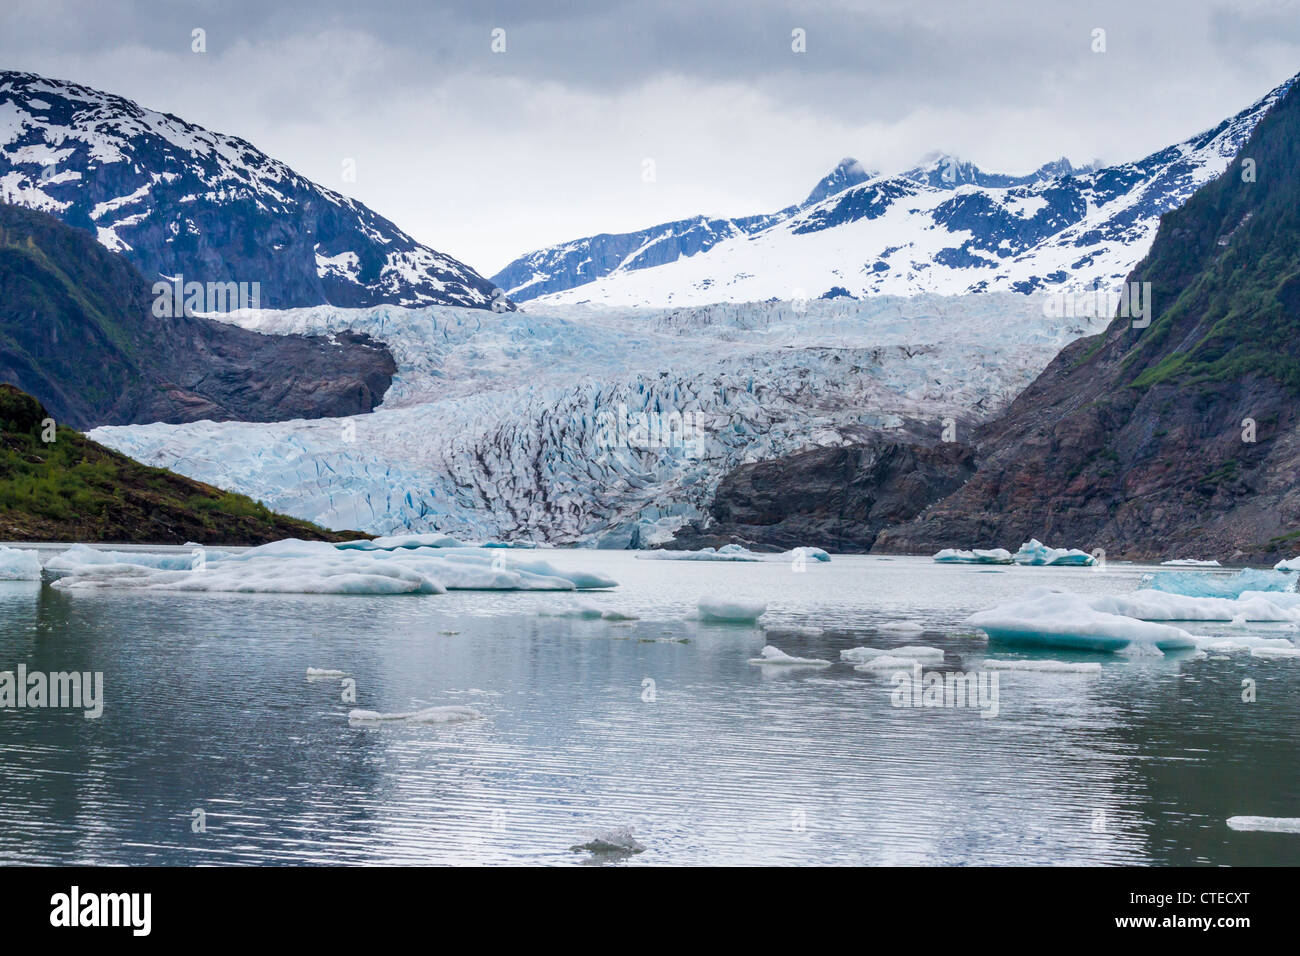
x=77, y=330
x=837, y=498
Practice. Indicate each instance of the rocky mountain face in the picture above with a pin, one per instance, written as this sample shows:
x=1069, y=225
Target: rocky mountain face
x=177, y=199
x=1181, y=438
x=78, y=330
x=945, y=227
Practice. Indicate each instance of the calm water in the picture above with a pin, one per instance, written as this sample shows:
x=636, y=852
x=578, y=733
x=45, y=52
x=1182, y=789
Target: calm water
x=207, y=707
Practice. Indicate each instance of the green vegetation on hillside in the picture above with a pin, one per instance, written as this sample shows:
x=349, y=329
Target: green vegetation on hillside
x=72, y=489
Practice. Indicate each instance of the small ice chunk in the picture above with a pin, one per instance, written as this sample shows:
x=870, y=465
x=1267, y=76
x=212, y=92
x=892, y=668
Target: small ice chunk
x=429, y=715
x=1189, y=563
x=1061, y=667
x=777, y=657
x=902, y=627
x=1275, y=653
x=321, y=673
x=618, y=840
x=793, y=630
x=888, y=663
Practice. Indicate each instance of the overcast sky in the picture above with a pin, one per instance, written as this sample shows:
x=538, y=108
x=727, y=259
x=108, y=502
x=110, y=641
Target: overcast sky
x=488, y=155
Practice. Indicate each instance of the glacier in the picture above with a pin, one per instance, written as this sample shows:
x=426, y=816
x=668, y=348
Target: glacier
x=523, y=426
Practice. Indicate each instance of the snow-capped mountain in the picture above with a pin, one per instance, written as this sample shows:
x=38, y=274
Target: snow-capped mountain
x=606, y=426
x=177, y=199
x=944, y=226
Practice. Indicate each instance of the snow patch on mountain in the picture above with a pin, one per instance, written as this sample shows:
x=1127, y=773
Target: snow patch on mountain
x=944, y=227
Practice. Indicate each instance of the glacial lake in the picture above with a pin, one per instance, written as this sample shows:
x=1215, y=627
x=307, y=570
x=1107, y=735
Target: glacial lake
x=717, y=761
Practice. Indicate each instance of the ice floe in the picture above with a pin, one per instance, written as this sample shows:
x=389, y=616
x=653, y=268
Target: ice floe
x=312, y=567
x=778, y=658
x=586, y=611
x=901, y=627
x=1161, y=606
x=977, y=556
x=18, y=564
x=1275, y=653
x=1034, y=552
x=1189, y=563
x=860, y=655
x=1266, y=824
x=1045, y=618
x=1290, y=564
x=1047, y=666
x=322, y=673
x=451, y=714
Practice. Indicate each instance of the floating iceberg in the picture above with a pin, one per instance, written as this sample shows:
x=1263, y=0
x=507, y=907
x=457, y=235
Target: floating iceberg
x=777, y=657
x=1203, y=584
x=1034, y=552
x=734, y=612
x=978, y=556
x=1045, y=618
x=312, y=567
x=1161, y=606
x=1290, y=564
x=429, y=715
x=19, y=564
x=1052, y=667
x=901, y=627
x=1189, y=563
x=861, y=655
x=321, y=673
x=1266, y=824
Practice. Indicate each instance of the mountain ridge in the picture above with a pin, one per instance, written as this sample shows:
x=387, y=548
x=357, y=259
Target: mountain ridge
x=178, y=199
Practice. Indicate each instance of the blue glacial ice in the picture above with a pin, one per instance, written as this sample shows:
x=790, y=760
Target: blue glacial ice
x=1209, y=584
x=19, y=564
x=976, y=556
x=1033, y=552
